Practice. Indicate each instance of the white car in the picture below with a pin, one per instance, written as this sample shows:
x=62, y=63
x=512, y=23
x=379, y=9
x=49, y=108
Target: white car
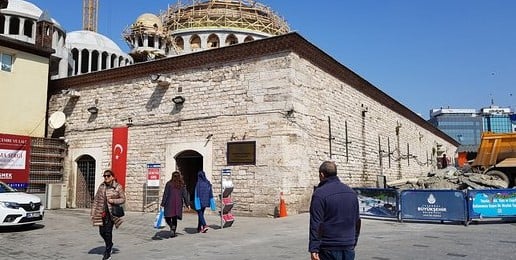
x=19, y=208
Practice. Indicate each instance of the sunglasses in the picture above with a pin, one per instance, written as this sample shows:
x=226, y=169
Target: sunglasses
x=106, y=176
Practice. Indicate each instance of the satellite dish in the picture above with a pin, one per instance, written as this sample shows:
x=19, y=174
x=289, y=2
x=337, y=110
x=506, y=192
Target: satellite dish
x=57, y=120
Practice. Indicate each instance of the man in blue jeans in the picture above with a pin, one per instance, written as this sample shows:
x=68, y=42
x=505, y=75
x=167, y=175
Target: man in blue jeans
x=334, y=217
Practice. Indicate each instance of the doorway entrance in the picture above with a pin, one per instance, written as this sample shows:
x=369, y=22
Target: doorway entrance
x=85, y=186
x=188, y=163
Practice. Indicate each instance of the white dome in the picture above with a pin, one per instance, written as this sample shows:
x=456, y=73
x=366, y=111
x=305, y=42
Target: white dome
x=91, y=40
x=25, y=9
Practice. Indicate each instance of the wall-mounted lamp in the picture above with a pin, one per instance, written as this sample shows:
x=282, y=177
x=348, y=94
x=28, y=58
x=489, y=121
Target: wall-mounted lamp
x=94, y=109
x=398, y=126
x=160, y=79
x=178, y=100
x=155, y=77
x=129, y=122
x=365, y=109
x=71, y=93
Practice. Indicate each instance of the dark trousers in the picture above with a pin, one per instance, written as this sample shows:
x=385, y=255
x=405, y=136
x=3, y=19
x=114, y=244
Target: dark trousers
x=348, y=254
x=171, y=222
x=201, y=222
x=106, y=232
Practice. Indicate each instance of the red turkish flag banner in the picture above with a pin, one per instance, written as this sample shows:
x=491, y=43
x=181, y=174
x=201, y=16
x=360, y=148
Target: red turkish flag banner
x=119, y=154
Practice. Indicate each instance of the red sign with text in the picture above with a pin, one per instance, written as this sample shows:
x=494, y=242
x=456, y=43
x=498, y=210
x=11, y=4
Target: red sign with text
x=153, y=174
x=119, y=154
x=14, y=159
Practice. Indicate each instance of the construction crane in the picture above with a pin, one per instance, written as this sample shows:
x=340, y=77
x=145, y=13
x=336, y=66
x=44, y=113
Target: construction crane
x=90, y=13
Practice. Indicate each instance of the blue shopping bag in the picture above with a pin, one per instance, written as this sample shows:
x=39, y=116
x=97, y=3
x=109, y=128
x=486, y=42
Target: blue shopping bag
x=213, y=204
x=158, y=222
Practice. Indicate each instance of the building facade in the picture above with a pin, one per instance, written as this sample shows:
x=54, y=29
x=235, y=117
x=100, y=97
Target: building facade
x=297, y=105
x=242, y=96
x=467, y=125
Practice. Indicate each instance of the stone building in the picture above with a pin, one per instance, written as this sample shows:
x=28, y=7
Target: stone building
x=294, y=103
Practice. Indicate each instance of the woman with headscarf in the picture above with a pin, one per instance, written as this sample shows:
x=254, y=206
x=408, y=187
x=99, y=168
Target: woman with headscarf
x=108, y=194
x=174, y=197
x=203, y=194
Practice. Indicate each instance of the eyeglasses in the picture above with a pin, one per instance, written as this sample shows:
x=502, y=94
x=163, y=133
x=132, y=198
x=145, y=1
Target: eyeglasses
x=106, y=176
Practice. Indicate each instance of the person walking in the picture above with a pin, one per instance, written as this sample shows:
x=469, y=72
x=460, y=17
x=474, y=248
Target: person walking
x=334, y=217
x=202, y=195
x=175, y=197
x=109, y=193
x=444, y=161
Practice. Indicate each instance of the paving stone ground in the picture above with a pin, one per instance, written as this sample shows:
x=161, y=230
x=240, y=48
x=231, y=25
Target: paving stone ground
x=68, y=234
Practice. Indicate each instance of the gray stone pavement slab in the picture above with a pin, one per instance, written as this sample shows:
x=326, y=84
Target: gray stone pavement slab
x=68, y=234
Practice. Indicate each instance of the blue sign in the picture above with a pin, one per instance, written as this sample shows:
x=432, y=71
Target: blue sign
x=492, y=203
x=226, y=172
x=18, y=186
x=153, y=165
x=445, y=205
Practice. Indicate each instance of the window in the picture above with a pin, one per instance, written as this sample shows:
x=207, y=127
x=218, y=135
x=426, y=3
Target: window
x=6, y=62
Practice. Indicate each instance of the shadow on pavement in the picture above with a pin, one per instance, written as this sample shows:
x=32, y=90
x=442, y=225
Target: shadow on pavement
x=100, y=250
x=22, y=228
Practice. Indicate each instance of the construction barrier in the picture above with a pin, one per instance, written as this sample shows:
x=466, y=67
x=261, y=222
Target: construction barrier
x=442, y=205
x=378, y=202
x=437, y=205
x=491, y=203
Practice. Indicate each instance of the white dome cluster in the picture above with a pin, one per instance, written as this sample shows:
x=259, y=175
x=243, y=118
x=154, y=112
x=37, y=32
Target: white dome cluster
x=75, y=52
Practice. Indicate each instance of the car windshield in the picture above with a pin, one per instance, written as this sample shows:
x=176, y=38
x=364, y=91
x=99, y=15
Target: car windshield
x=4, y=188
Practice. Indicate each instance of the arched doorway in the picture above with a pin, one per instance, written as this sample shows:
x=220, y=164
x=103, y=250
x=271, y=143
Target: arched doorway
x=188, y=163
x=85, y=186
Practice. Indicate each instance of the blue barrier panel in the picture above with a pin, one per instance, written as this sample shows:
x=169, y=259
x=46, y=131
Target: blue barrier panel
x=491, y=203
x=444, y=205
x=378, y=202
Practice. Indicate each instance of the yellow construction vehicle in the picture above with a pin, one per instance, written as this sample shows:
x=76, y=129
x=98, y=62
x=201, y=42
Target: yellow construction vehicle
x=496, y=156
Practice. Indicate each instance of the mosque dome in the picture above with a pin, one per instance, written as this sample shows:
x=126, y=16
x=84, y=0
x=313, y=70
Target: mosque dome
x=148, y=21
x=246, y=15
x=25, y=9
x=91, y=40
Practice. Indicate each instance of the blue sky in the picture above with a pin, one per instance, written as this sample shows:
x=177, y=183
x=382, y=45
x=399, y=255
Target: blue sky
x=425, y=54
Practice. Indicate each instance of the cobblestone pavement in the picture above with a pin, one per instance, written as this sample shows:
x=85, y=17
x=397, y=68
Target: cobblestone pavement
x=68, y=234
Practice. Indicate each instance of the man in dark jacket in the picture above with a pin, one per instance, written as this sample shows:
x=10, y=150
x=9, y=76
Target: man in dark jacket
x=334, y=217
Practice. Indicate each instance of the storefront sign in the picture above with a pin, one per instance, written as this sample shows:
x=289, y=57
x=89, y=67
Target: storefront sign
x=15, y=160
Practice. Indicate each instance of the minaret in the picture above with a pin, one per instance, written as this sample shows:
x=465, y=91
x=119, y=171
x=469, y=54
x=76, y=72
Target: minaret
x=90, y=13
x=44, y=31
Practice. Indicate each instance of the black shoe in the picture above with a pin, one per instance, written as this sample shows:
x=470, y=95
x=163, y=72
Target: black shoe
x=173, y=231
x=107, y=255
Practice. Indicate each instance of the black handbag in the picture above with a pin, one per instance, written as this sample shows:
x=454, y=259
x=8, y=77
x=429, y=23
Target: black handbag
x=117, y=210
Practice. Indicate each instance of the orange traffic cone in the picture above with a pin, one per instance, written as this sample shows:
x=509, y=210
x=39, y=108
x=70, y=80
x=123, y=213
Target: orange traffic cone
x=282, y=207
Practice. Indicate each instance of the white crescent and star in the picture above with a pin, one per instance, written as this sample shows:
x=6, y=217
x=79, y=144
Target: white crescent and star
x=118, y=147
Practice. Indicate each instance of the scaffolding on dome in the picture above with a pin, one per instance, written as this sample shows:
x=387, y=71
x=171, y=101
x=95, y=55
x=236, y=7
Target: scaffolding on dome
x=241, y=14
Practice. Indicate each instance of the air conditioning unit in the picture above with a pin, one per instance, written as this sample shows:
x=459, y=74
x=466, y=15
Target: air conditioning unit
x=54, y=196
